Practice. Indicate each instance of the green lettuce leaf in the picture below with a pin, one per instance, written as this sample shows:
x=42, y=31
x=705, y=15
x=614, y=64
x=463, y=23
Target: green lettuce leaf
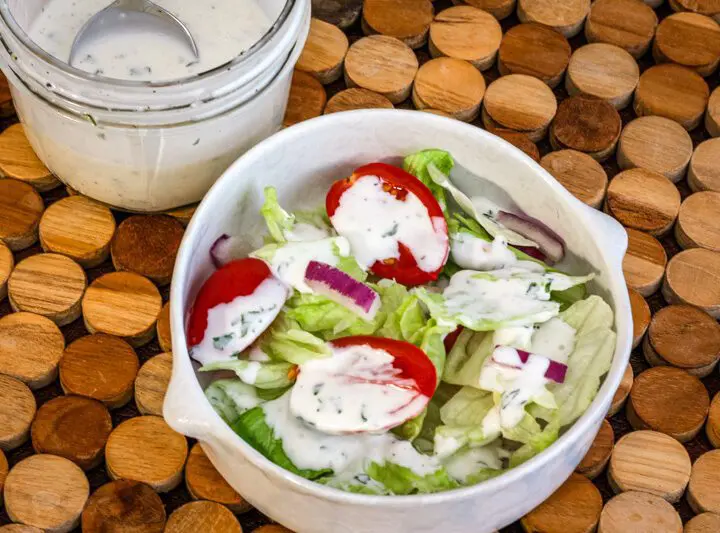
x=231, y=397
x=473, y=465
x=287, y=340
x=401, y=480
x=324, y=318
x=417, y=165
x=462, y=417
x=536, y=444
x=263, y=375
x=467, y=356
x=276, y=218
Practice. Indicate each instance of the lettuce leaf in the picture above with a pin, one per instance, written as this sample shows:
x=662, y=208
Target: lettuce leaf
x=462, y=418
x=231, y=397
x=263, y=375
x=467, y=356
x=400, y=480
x=417, y=165
x=287, y=340
x=318, y=315
x=276, y=218
x=536, y=444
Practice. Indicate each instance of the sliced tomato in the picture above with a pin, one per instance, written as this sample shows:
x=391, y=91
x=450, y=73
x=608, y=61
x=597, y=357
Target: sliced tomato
x=452, y=338
x=399, y=183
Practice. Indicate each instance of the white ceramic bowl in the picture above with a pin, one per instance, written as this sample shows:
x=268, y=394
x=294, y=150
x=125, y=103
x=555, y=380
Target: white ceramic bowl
x=301, y=162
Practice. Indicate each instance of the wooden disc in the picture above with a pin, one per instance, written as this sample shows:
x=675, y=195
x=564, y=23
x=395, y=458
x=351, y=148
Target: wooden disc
x=712, y=115
x=639, y=512
x=18, y=160
x=534, y=50
x=19, y=528
x=640, y=315
x=381, y=64
x=163, y=329
x=72, y=427
x=340, y=13
x=698, y=222
x=652, y=462
x=672, y=91
x=101, y=367
x=712, y=429
x=124, y=506
x=208, y=517
x=644, y=262
x=668, y=400
x=704, y=7
x=407, y=20
x=704, y=169
x=603, y=70
x=451, y=85
x=183, y=214
x=78, y=227
x=565, y=16
x=151, y=384
x=521, y=141
x=147, y=245
x=124, y=304
x=7, y=263
x=629, y=24
x=4, y=468
x=20, y=210
x=272, y=528
x=622, y=393
x=597, y=457
x=500, y=9
x=465, y=32
x=356, y=98
x=46, y=491
x=324, y=52
x=703, y=523
x=704, y=489
x=693, y=278
x=579, y=173
x=204, y=482
x=31, y=347
x=145, y=449
x=50, y=285
x=306, y=100
x=587, y=124
x=657, y=144
x=521, y=103
x=17, y=410
x=575, y=506
x=689, y=39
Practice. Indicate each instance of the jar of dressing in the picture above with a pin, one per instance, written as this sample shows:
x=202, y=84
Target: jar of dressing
x=138, y=122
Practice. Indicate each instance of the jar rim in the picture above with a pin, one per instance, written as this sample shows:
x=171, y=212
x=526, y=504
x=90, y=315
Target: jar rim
x=9, y=19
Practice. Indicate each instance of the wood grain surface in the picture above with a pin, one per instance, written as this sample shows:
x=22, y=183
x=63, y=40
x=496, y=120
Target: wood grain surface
x=407, y=20
x=698, y=222
x=644, y=262
x=629, y=24
x=18, y=160
x=451, y=85
x=124, y=506
x=306, y=100
x=587, y=124
x=693, y=277
x=324, y=52
x=704, y=169
x=534, y=50
x=208, y=517
x=20, y=209
x=151, y=384
x=468, y=33
x=639, y=512
x=356, y=98
x=17, y=410
x=704, y=488
x=567, y=17
x=689, y=39
x=598, y=456
x=204, y=482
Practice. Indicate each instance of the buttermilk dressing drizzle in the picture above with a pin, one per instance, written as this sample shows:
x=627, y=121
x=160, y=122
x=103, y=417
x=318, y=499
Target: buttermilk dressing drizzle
x=473, y=253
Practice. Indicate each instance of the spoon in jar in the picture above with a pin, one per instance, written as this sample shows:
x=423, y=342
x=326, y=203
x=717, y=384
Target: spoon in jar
x=132, y=15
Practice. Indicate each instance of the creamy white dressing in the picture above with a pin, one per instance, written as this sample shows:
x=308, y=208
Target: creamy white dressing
x=462, y=465
x=375, y=221
x=473, y=253
x=514, y=336
x=302, y=231
x=242, y=395
x=249, y=374
x=222, y=30
x=256, y=354
x=555, y=339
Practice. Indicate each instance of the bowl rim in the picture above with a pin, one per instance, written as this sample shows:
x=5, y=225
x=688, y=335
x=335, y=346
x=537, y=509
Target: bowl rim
x=580, y=427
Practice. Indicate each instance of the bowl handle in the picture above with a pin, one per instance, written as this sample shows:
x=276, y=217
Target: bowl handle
x=612, y=236
x=181, y=409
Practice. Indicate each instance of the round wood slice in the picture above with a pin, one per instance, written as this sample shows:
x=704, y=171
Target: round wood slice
x=500, y=9
x=672, y=91
x=147, y=245
x=124, y=506
x=407, y=20
x=597, y=457
x=668, y=400
x=521, y=141
x=565, y=16
x=18, y=160
x=644, y=262
x=19, y=528
x=712, y=429
x=31, y=347
x=712, y=115
x=356, y=98
x=204, y=482
x=20, y=210
x=146, y=449
x=78, y=227
x=704, y=169
x=693, y=278
x=629, y=24
x=340, y=13
x=183, y=214
x=534, y=50
x=640, y=315
x=101, y=367
x=657, y=144
x=7, y=263
x=652, y=462
x=703, y=523
x=521, y=103
x=17, y=410
x=689, y=39
x=163, y=329
x=4, y=468
x=50, y=285
x=639, y=512
x=575, y=506
x=622, y=393
x=579, y=173
x=465, y=32
x=450, y=85
x=698, y=223
x=208, y=517
x=46, y=491
x=324, y=52
x=381, y=64
x=587, y=124
x=272, y=528
x=124, y=304
x=72, y=427
x=151, y=384
x=306, y=100
x=704, y=7
x=437, y=112
x=685, y=337
x=704, y=489
x=603, y=70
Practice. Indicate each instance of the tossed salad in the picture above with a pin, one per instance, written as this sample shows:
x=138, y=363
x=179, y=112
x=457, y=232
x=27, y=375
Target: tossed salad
x=401, y=339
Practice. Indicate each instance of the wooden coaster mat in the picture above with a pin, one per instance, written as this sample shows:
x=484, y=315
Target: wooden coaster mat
x=446, y=60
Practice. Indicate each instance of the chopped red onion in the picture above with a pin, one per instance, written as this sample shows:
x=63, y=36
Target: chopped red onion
x=220, y=250
x=533, y=252
x=342, y=288
x=555, y=372
x=549, y=242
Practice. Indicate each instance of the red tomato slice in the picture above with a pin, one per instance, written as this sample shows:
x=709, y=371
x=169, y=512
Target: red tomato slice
x=237, y=278
x=398, y=183
x=409, y=359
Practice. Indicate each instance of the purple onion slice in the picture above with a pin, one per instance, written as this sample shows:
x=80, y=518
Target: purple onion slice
x=220, y=250
x=342, y=288
x=549, y=242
